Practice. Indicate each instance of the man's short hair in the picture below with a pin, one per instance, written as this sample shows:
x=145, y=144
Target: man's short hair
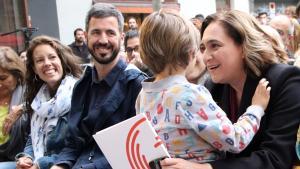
x=103, y=10
x=262, y=13
x=129, y=35
x=132, y=18
x=200, y=17
x=78, y=29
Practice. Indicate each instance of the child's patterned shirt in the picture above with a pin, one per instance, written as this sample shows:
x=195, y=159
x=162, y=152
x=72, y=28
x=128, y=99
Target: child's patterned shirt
x=190, y=123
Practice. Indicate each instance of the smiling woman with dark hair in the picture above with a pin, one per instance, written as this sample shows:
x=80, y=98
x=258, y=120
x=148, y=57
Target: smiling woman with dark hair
x=51, y=75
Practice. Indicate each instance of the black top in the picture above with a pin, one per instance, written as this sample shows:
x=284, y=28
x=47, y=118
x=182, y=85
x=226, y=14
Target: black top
x=81, y=51
x=273, y=147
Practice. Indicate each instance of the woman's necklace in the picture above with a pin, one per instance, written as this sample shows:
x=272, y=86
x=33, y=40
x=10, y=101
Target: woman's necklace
x=5, y=101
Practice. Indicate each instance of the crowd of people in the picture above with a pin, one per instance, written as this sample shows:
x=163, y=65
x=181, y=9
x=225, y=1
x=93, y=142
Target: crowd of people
x=226, y=87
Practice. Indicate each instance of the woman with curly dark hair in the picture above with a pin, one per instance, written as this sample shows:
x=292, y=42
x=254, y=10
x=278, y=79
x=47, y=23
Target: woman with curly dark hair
x=51, y=76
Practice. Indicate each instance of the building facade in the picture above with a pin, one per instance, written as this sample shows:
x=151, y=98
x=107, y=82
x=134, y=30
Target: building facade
x=139, y=9
x=59, y=18
x=13, y=20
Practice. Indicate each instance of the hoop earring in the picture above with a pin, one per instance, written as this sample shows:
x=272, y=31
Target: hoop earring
x=35, y=78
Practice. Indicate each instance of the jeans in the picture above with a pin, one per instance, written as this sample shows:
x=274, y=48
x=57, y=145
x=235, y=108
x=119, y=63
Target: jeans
x=8, y=165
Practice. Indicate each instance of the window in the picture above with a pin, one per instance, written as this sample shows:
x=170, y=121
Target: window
x=13, y=18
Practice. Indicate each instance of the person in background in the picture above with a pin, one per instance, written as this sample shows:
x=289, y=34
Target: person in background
x=23, y=56
x=274, y=33
x=263, y=18
x=197, y=21
x=51, y=75
x=277, y=41
x=132, y=43
x=14, y=129
x=237, y=54
x=290, y=11
x=79, y=46
x=286, y=29
x=132, y=24
x=104, y=96
x=186, y=118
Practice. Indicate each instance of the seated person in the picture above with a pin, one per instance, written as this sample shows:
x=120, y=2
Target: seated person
x=13, y=125
x=51, y=75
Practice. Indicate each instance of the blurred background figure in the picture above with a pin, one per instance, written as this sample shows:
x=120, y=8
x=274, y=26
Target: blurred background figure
x=197, y=21
x=290, y=11
x=79, y=46
x=132, y=44
x=132, y=24
x=275, y=39
x=273, y=32
x=23, y=56
x=13, y=130
x=286, y=30
x=263, y=18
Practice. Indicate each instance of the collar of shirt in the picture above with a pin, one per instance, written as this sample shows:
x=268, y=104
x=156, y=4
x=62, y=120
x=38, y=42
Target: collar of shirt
x=149, y=84
x=112, y=76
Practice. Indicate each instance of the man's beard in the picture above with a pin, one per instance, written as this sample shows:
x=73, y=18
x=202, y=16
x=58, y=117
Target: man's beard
x=108, y=60
x=79, y=40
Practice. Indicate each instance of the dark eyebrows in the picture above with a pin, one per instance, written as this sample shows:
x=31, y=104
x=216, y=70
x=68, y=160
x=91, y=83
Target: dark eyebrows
x=211, y=41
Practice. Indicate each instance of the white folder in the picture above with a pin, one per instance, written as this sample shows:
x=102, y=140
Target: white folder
x=131, y=144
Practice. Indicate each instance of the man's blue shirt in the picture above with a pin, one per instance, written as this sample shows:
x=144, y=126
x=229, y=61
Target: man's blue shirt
x=96, y=105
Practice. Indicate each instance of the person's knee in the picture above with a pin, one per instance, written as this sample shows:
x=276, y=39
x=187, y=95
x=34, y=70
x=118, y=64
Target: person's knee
x=8, y=165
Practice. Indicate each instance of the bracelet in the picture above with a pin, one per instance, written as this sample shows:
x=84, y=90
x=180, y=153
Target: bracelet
x=19, y=155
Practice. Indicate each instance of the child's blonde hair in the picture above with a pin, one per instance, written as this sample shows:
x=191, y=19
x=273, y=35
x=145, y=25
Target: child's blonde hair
x=167, y=39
